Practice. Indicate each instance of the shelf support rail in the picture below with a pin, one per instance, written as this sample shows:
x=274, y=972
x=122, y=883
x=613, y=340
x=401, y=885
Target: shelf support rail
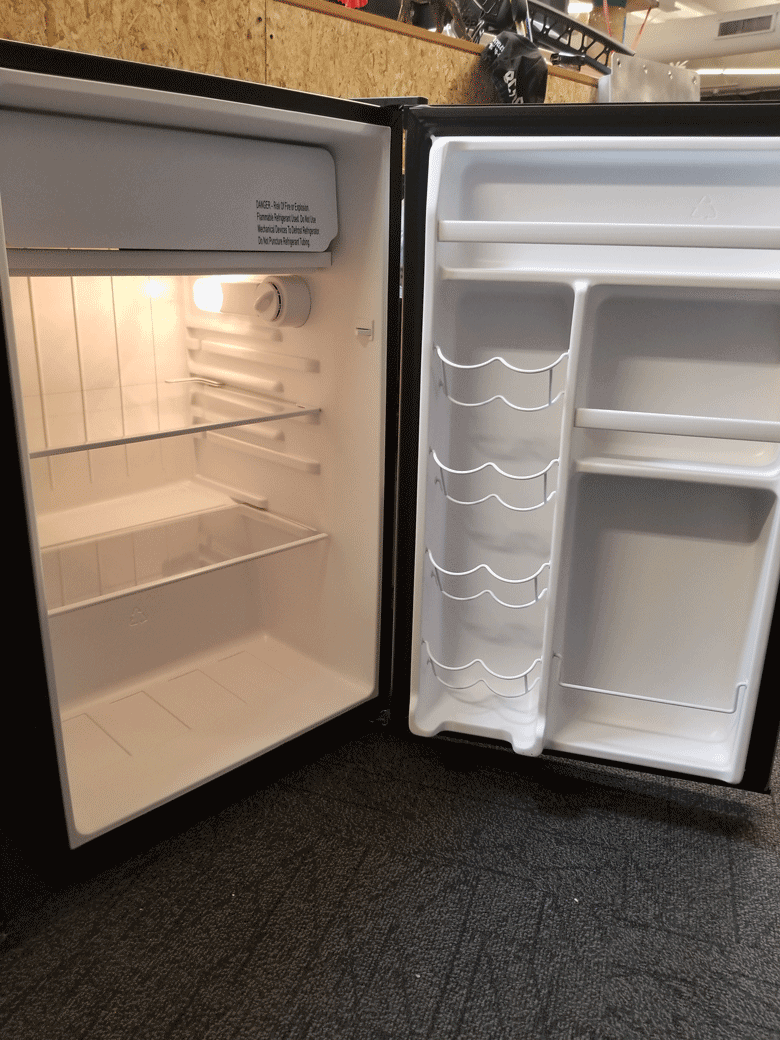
x=741, y=687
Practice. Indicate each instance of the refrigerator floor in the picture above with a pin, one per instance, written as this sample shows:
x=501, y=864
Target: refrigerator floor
x=142, y=746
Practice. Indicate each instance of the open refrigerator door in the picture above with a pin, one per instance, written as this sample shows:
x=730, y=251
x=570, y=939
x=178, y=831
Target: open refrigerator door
x=598, y=538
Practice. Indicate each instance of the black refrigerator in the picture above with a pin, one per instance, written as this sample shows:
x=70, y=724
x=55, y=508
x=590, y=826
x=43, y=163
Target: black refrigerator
x=263, y=498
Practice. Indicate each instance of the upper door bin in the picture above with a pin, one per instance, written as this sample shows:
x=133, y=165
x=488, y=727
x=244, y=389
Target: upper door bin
x=618, y=191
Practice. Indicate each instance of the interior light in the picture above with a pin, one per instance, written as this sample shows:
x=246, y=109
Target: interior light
x=576, y=7
x=207, y=294
x=276, y=300
x=154, y=288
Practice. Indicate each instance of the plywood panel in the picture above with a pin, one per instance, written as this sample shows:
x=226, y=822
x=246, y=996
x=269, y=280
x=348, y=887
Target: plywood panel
x=24, y=21
x=568, y=90
x=306, y=44
x=347, y=59
x=224, y=38
x=325, y=48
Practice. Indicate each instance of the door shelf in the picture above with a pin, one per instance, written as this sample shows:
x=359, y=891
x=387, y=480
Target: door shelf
x=569, y=233
x=678, y=425
x=503, y=686
x=538, y=495
x=676, y=568
x=592, y=265
x=672, y=469
x=728, y=709
x=548, y=398
x=82, y=572
x=537, y=590
x=676, y=360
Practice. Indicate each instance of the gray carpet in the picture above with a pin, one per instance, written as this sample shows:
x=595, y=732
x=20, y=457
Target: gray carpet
x=399, y=889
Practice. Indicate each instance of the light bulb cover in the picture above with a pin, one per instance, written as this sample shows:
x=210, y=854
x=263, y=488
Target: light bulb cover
x=294, y=301
x=277, y=300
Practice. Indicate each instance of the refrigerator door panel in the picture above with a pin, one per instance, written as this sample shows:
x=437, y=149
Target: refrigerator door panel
x=597, y=547
x=209, y=420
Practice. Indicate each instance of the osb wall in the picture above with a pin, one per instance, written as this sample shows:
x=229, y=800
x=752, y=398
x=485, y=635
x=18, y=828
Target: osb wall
x=222, y=37
x=369, y=57
x=305, y=44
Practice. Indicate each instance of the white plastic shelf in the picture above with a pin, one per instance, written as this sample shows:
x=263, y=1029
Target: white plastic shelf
x=673, y=469
x=677, y=702
x=678, y=425
x=86, y=571
x=604, y=233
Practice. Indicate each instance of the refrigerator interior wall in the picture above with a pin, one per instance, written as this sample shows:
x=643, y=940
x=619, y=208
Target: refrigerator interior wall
x=213, y=593
x=598, y=537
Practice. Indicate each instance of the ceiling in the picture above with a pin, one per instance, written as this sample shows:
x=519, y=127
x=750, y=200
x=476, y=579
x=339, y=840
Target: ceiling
x=670, y=14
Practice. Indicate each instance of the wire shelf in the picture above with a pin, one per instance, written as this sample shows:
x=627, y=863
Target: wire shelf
x=549, y=369
x=502, y=361
x=548, y=493
x=528, y=687
x=538, y=592
x=492, y=465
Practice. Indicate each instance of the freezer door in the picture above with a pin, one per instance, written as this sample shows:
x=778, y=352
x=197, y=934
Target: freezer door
x=206, y=422
x=595, y=324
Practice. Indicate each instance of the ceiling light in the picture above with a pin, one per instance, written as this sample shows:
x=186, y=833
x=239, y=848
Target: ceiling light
x=737, y=72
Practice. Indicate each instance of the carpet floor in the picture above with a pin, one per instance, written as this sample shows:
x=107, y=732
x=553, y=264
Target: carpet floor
x=397, y=889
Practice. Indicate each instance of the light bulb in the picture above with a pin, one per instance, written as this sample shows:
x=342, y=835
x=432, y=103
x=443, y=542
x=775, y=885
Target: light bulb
x=207, y=294
x=154, y=288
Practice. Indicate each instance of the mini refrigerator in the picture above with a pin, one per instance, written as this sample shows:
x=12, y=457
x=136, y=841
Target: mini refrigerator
x=529, y=503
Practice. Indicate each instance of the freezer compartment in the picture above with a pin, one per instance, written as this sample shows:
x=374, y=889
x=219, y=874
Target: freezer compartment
x=661, y=363
x=662, y=624
x=119, y=184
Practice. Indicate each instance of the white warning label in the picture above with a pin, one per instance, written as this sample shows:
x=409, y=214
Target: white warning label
x=286, y=224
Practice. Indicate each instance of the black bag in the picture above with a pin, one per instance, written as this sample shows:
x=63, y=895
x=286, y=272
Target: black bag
x=517, y=69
